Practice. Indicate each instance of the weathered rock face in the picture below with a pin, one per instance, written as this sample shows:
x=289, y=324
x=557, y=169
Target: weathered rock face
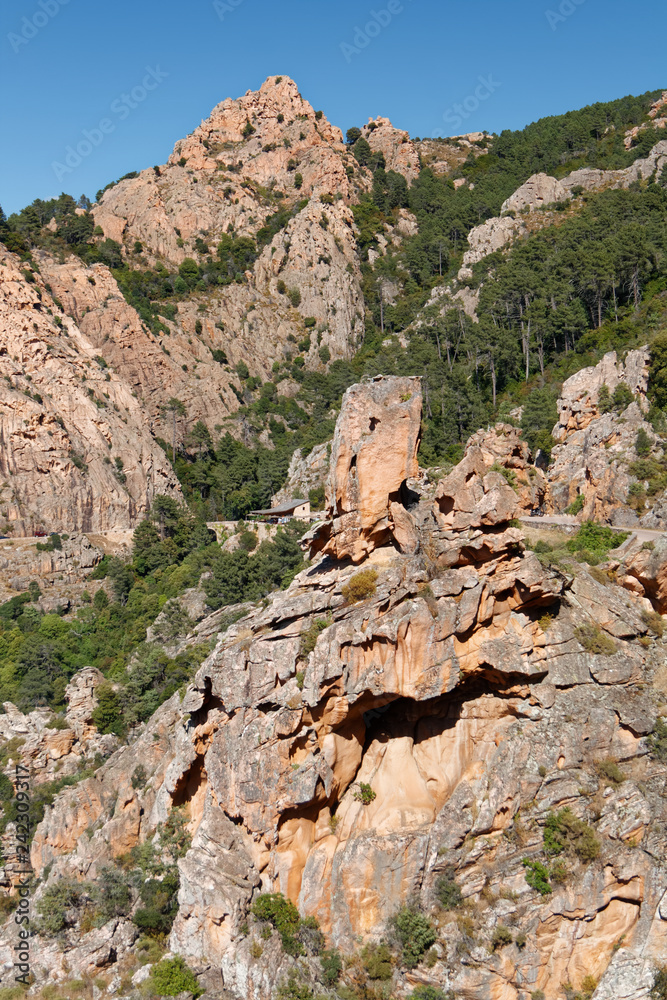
x=645, y=572
x=63, y=418
x=470, y=712
x=374, y=452
x=594, y=449
x=538, y=190
x=503, y=446
x=490, y=236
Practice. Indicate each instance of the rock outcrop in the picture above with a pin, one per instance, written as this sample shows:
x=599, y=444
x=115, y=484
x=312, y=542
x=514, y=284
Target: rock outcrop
x=374, y=453
x=594, y=449
x=502, y=446
x=449, y=677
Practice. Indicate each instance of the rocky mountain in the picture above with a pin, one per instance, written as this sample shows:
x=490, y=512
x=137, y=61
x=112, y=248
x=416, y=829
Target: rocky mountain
x=450, y=729
x=417, y=750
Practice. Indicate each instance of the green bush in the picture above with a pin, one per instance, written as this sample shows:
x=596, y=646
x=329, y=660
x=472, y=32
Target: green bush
x=360, y=586
x=376, y=960
x=604, y=399
x=294, y=989
x=622, y=396
x=502, y=936
x=659, y=988
x=430, y=993
x=537, y=876
x=610, y=771
x=577, y=505
x=294, y=296
x=563, y=831
x=364, y=794
x=332, y=966
x=171, y=976
x=643, y=443
x=309, y=636
x=283, y=915
x=108, y=716
x=447, y=891
x=415, y=933
x=57, y=899
x=248, y=540
x=594, y=640
x=657, y=740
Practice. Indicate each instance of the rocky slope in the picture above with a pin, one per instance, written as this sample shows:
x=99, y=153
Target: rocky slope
x=65, y=420
x=450, y=676
x=595, y=448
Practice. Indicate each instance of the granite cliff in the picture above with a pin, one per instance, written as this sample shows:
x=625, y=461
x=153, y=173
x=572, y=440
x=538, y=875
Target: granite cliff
x=411, y=713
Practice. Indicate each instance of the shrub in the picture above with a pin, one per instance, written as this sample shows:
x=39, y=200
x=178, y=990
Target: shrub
x=577, y=505
x=659, y=988
x=447, y=892
x=139, y=777
x=248, y=540
x=57, y=900
x=643, y=443
x=604, y=399
x=332, y=966
x=654, y=621
x=108, y=716
x=594, y=640
x=610, y=771
x=565, y=831
x=502, y=936
x=324, y=354
x=294, y=296
x=298, y=181
x=317, y=498
x=294, y=989
x=171, y=976
x=622, y=397
x=360, y=586
x=364, y=794
x=281, y=287
x=415, y=933
x=242, y=370
x=248, y=130
x=376, y=960
x=430, y=993
x=283, y=915
x=658, y=740
x=537, y=876
x=309, y=636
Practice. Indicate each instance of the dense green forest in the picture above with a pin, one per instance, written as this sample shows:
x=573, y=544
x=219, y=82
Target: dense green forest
x=172, y=548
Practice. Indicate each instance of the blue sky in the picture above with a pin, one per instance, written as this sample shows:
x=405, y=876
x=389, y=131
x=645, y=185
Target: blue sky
x=65, y=66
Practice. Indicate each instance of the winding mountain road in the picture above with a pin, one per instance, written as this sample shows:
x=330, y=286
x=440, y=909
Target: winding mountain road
x=568, y=520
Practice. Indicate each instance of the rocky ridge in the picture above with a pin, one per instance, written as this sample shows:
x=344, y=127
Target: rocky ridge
x=449, y=676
